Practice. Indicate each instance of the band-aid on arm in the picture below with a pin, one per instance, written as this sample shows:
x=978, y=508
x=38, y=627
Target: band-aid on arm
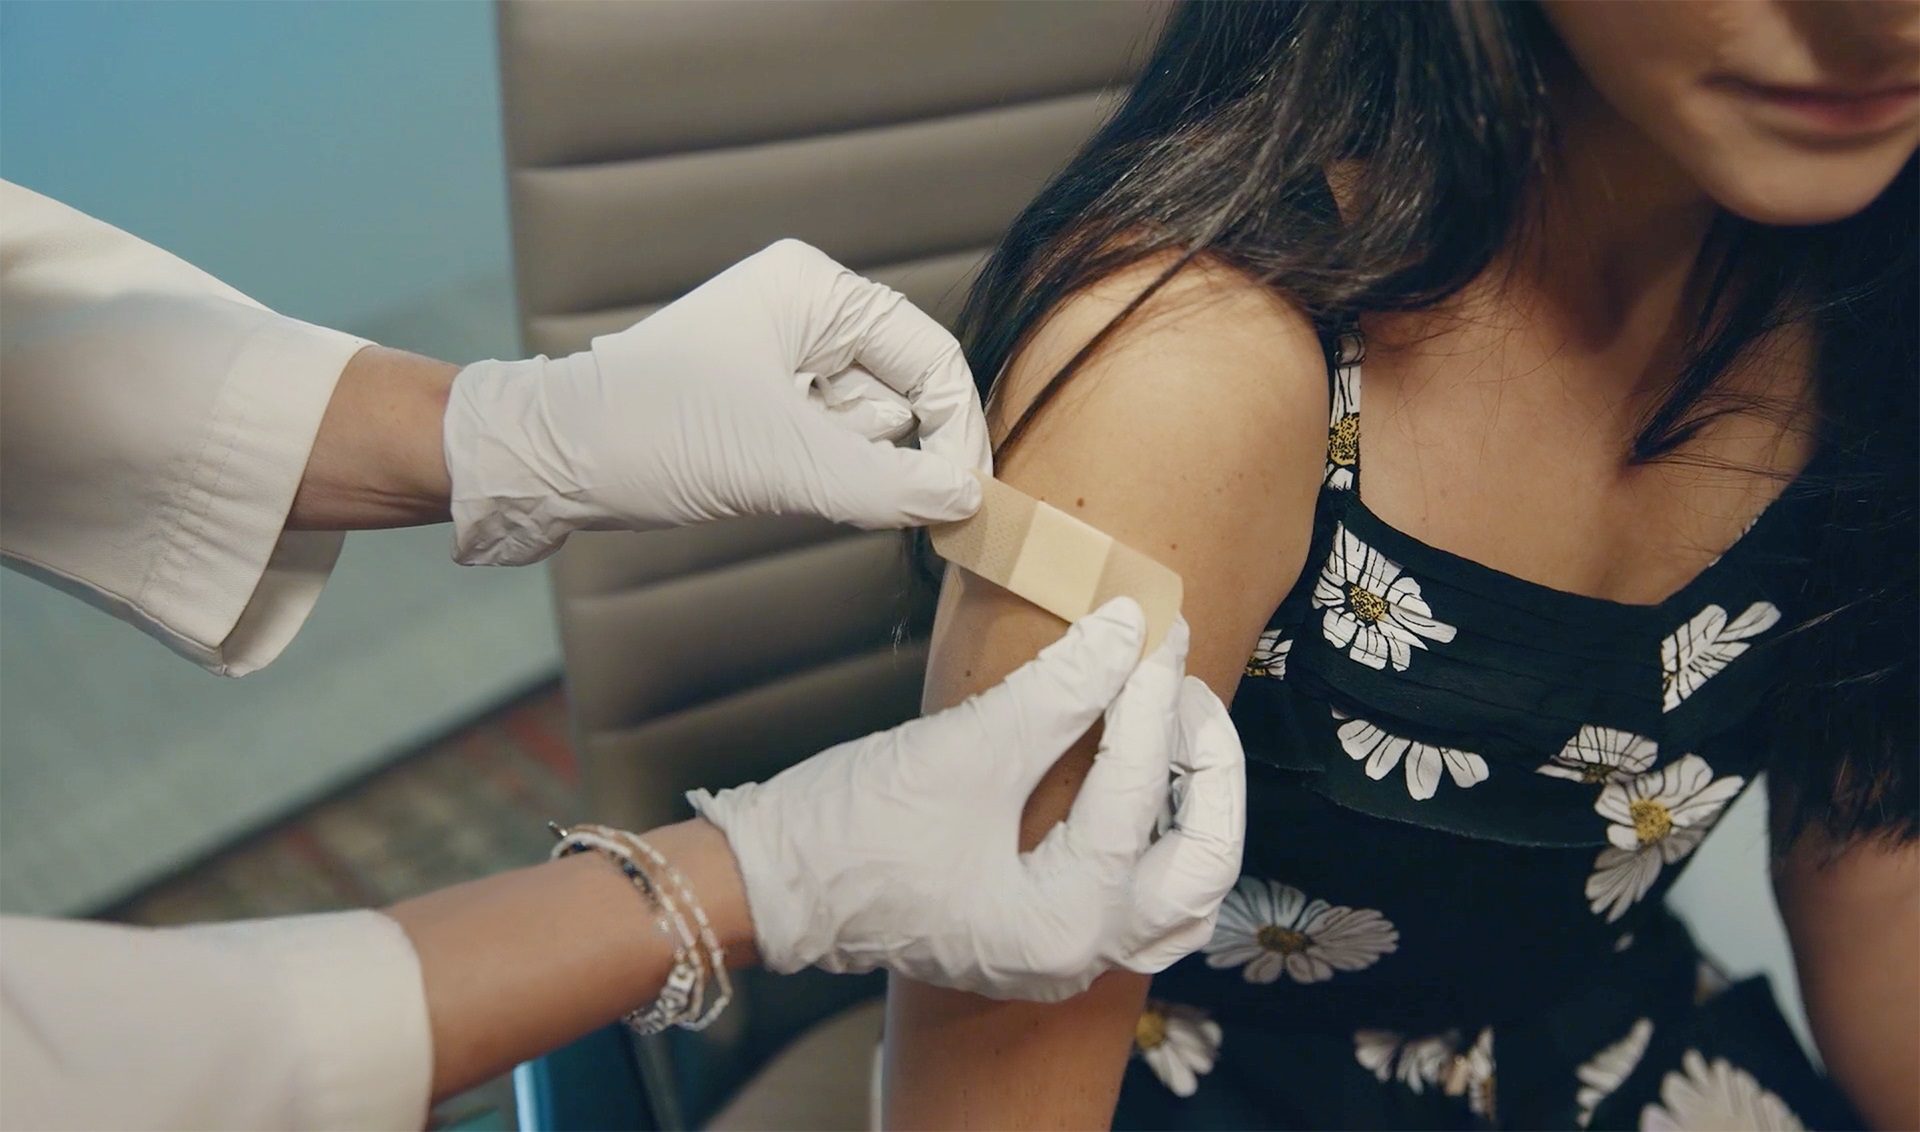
x=1055, y=561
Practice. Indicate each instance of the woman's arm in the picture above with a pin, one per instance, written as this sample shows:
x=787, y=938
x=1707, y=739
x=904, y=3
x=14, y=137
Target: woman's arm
x=1197, y=436
x=1853, y=914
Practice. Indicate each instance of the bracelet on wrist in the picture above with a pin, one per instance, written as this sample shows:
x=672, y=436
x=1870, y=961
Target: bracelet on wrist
x=683, y=999
x=716, y=955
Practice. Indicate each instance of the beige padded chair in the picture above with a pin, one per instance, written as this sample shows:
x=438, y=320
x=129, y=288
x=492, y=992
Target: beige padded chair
x=649, y=145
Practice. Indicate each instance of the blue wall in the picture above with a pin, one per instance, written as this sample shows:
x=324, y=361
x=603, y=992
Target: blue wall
x=340, y=162
x=334, y=160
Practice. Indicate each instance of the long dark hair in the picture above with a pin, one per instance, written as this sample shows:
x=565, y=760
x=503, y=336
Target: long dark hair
x=1222, y=150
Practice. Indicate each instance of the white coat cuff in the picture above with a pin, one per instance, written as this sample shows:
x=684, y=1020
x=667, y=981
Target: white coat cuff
x=356, y=1015
x=235, y=586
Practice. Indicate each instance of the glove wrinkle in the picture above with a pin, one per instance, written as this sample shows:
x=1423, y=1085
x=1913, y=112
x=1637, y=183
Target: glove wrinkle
x=900, y=850
x=738, y=399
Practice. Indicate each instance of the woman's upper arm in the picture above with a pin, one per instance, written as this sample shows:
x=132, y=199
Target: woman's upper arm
x=1195, y=435
x=1853, y=915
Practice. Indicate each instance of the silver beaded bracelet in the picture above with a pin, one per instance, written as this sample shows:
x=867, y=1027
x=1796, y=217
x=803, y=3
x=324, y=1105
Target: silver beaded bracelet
x=682, y=999
x=716, y=956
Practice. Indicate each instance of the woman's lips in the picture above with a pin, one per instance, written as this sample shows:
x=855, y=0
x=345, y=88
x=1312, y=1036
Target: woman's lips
x=1832, y=111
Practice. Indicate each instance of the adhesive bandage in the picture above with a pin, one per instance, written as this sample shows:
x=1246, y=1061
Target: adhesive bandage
x=1055, y=561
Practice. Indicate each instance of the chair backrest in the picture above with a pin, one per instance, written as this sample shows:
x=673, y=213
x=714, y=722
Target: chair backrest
x=650, y=145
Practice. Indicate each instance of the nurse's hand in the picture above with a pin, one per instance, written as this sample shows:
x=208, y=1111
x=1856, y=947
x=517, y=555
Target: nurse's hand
x=777, y=387
x=900, y=850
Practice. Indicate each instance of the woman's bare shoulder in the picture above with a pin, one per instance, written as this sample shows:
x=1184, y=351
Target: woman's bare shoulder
x=1210, y=344
x=1195, y=433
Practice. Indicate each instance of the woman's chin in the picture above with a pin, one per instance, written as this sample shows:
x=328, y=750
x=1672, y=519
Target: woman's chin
x=1797, y=193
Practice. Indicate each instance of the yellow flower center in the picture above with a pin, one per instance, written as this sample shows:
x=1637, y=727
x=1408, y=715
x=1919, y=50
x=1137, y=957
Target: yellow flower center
x=1150, y=1030
x=1286, y=941
x=1651, y=821
x=1366, y=605
x=1343, y=440
x=1594, y=772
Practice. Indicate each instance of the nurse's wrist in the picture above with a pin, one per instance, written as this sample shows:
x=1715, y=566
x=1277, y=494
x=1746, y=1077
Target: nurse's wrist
x=701, y=852
x=378, y=459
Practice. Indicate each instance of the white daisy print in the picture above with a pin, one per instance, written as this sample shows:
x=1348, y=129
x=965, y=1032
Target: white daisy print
x=1656, y=819
x=1602, y=754
x=1715, y=1095
x=1681, y=795
x=1605, y=1071
x=1415, y=1063
x=1373, y=610
x=1620, y=878
x=1179, y=1043
x=1424, y=761
x=1437, y=1060
x=1272, y=929
x=1706, y=644
x=1343, y=429
x=1270, y=656
x=1471, y=1075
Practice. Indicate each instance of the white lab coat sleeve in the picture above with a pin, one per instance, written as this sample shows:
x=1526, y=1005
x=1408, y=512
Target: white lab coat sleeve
x=154, y=426
x=305, y=1022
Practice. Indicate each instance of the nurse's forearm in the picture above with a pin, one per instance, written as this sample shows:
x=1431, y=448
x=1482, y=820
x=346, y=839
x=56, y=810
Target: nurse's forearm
x=520, y=963
x=377, y=459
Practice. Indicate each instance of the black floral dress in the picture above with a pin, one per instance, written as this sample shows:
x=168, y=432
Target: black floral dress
x=1467, y=797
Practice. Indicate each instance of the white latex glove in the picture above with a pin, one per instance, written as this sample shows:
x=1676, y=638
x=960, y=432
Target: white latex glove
x=900, y=850
x=774, y=388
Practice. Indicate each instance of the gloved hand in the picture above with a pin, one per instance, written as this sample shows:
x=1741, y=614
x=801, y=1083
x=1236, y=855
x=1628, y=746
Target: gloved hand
x=773, y=388
x=900, y=850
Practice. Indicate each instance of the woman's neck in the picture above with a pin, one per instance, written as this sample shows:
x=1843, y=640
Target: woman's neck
x=1610, y=252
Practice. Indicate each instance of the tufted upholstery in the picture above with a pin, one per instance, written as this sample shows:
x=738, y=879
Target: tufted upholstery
x=650, y=145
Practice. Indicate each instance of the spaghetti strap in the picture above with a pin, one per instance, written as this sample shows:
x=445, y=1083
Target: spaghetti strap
x=1343, y=419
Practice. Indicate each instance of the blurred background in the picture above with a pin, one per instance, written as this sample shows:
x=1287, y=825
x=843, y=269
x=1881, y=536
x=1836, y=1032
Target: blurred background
x=344, y=163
